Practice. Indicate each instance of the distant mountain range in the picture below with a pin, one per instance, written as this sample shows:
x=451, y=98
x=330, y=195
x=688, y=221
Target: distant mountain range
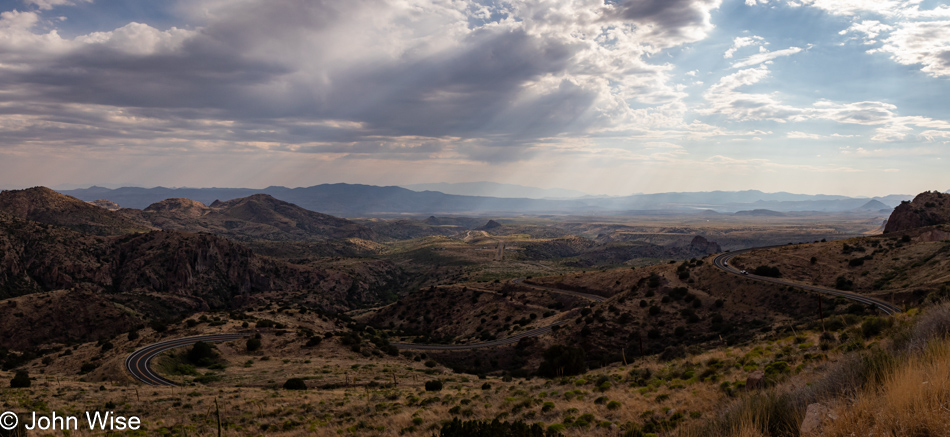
x=351, y=200
x=495, y=189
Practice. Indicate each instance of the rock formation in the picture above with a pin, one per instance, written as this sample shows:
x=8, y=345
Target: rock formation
x=927, y=209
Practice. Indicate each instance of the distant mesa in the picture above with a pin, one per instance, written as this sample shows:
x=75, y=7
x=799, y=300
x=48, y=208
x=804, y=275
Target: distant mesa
x=873, y=205
x=759, y=213
x=105, y=204
x=927, y=209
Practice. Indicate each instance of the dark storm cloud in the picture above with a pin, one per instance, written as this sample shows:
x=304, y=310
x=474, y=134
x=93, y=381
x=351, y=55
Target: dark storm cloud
x=298, y=72
x=675, y=20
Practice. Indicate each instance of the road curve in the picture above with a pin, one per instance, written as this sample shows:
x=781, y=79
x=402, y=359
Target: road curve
x=500, y=342
x=139, y=362
x=504, y=341
x=721, y=261
x=587, y=296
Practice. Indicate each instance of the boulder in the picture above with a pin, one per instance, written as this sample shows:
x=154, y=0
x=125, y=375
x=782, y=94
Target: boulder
x=816, y=417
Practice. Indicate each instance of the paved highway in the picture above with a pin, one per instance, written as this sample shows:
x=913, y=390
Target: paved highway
x=139, y=362
x=499, y=342
x=722, y=262
x=592, y=297
x=509, y=340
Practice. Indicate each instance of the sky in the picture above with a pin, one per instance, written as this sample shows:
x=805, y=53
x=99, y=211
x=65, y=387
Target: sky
x=607, y=97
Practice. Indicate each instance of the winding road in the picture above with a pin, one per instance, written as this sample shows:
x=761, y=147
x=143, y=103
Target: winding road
x=139, y=362
x=722, y=262
x=508, y=340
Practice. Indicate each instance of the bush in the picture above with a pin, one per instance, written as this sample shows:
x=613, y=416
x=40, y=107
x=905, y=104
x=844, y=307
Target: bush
x=295, y=384
x=253, y=344
x=87, y=367
x=562, y=360
x=613, y=405
x=844, y=284
x=133, y=335
x=873, y=326
x=202, y=354
x=434, y=385
x=772, y=272
x=21, y=380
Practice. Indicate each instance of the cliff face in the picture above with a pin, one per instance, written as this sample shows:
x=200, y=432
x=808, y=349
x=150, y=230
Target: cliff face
x=927, y=209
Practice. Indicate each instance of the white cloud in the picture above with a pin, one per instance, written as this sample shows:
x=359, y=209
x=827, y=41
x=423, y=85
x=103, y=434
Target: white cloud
x=743, y=41
x=804, y=135
x=924, y=43
x=765, y=56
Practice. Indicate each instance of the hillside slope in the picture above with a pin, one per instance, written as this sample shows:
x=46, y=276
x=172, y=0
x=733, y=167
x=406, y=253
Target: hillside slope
x=44, y=205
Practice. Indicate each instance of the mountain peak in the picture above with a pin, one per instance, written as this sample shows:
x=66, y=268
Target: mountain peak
x=44, y=205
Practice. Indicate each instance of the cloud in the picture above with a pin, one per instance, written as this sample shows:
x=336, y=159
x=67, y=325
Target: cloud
x=921, y=43
x=670, y=22
x=46, y=5
x=803, y=135
x=743, y=41
x=507, y=75
x=765, y=56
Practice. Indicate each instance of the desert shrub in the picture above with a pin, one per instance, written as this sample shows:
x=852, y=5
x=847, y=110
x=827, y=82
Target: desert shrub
x=772, y=272
x=845, y=284
x=253, y=344
x=560, y=360
x=434, y=385
x=295, y=384
x=873, y=326
x=133, y=335
x=87, y=367
x=933, y=323
x=613, y=405
x=202, y=354
x=21, y=380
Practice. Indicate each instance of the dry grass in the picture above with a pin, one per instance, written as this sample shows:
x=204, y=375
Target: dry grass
x=913, y=400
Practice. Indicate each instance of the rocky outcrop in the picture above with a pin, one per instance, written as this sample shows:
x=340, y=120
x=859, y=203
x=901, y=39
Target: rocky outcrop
x=700, y=245
x=927, y=209
x=105, y=204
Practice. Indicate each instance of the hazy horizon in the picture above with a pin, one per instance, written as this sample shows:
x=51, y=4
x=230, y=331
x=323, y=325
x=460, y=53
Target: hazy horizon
x=67, y=187
x=603, y=97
